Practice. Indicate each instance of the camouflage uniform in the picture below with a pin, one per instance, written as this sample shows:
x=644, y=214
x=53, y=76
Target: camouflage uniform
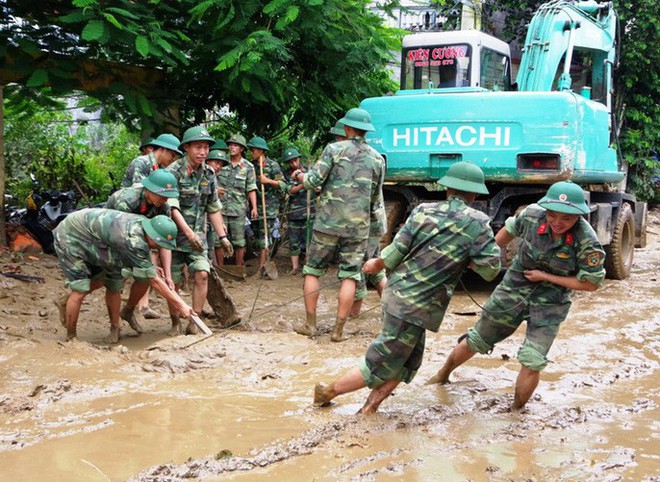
x=297, y=214
x=351, y=173
x=132, y=200
x=139, y=168
x=426, y=259
x=94, y=243
x=544, y=305
x=273, y=197
x=238, y=181
x=377, y=228
x=198, y=195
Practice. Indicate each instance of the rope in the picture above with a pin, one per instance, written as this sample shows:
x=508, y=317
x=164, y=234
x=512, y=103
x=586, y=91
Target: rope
x=275, y=308
x=492, y=312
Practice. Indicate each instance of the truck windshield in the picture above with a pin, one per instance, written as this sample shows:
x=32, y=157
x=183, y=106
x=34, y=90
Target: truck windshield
x=495, y=73
x=444, y=65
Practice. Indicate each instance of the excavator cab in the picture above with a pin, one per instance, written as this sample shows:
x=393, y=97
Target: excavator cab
x=453, y=60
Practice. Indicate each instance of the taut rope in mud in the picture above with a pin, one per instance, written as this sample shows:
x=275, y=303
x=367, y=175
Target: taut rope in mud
x=275, y=308
x=497, y=312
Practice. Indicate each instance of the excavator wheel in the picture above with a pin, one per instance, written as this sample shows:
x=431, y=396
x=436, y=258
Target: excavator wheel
x=619, y=253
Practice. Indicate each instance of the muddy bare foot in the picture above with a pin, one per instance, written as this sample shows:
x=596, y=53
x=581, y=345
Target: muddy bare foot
x=113, y=337
x=323, y=394
x=438, y=379
x=61, y=307
x=128, y=315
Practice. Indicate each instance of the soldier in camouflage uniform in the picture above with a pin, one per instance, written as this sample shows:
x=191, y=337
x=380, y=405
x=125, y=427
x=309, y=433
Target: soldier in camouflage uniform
x=338, y=131
x=165, y=151
x=216, y=160
x=377, y=228
x=298, y=216
x=426, y=259
x=270, y=179
x=146, y=147
x=350, y=174
x=96, y=247
x=559, y=253
x=149, y=200
x=239, y=182
x=198, y=198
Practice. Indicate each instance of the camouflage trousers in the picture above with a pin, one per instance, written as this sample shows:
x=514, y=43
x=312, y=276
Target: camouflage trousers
x=297, y=233
x=373, y=250
x=195, y=261
x=235, y=232
x=503, y=313
x=79, y=271
x=259, y=237
x=323, y=249
x=396, y=353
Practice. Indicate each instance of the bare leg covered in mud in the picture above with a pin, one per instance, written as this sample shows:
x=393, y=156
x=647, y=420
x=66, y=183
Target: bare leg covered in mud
x=113, y=302
x=459, y=355
x=70, y=307
x=138, y=290
x=350, y=382
x=526, y=383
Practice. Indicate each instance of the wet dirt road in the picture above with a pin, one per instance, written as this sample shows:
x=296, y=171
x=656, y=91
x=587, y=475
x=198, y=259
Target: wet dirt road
x=238, y=405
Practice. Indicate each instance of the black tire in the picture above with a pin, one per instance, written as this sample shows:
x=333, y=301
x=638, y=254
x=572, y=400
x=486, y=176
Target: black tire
x=619, y=253
x=395, y=211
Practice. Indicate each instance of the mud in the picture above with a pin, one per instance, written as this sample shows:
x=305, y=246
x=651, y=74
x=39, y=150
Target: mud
x=238, y=404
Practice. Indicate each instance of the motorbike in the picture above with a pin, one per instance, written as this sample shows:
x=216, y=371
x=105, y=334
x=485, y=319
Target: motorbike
x=45, y=209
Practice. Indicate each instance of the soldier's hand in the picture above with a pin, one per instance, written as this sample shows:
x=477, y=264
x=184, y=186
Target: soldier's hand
x=373, y=266
x=227, y=247
x=170, y=284
x=221, y=191
x=196, y=242
x=185, y=310
x=253, y=213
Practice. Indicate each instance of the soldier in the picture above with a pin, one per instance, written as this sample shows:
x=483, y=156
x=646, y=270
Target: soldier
x=338, y=131
x=216, y=159
x=239, y=182
x=165, y=151
x=198, y=198
x=95, y=247
x=350, y=174
x=299, y=213
x=425, y=260
x=149, y=200
x=220, y=145
x=271, y=181
x=146, y=147
x=378, y=280
x=560, y=253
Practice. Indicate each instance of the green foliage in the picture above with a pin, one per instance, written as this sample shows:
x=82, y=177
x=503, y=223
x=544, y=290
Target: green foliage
x=279, y=65
x=47, y=143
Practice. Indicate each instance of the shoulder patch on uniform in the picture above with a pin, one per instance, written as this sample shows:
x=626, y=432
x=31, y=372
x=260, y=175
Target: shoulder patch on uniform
x=594, y=258
x=563, y=255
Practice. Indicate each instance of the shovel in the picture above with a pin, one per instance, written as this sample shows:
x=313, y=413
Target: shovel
x=270, y=269
x=222, y=303
x=201, y=325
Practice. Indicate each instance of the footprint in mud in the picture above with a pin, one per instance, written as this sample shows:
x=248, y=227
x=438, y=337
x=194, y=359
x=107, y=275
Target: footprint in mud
x=183, y=361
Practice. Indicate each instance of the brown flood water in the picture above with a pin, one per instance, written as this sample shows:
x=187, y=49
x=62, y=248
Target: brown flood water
x=238, y=405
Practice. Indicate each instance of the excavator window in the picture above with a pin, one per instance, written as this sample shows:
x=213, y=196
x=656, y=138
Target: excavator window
x=584, y=78
x=443, y=65
x=495, y=70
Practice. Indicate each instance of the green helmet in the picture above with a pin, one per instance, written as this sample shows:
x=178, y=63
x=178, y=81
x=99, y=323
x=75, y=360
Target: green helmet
x=290, y=154
x=197, y=133
x=237, y=139
x=147, y=143
x=162, y=230
x=338, y=129
x=258, y=142
x=466, y=177
x=219, y=144
x=358, y=119
x=217, y=155
x=565, y=197
x=161, y=182
x=168, y=141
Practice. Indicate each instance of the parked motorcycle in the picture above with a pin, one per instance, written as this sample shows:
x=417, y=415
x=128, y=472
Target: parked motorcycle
x=45, y=209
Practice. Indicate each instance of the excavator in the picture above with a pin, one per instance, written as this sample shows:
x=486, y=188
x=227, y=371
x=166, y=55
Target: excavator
x=555, y=122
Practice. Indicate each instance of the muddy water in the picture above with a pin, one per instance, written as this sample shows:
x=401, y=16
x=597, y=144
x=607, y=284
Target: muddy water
x=239, y=404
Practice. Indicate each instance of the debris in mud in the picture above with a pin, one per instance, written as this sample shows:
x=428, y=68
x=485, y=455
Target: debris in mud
x=184, y=361
x=13, y=405
x=52, y=392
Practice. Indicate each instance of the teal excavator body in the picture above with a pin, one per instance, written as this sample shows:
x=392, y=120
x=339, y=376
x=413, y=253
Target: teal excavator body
x=457, y=103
